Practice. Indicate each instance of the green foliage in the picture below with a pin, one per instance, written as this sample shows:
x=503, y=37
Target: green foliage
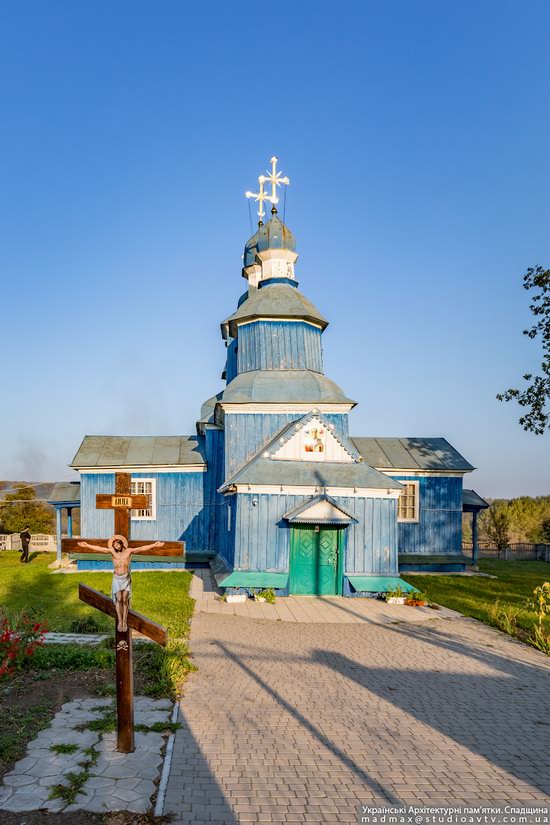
x=498, y=525
x=68, y=793
x=87, y=625
x=395, y=593
x=525, y=518
x=62, y=748
x=268, y=595
x=535, y=398
x=105, y=724
x=505, y=617
x=39, y=517
x=72, y=657
x=164, y=668
x=545, y=531
x=159, y=727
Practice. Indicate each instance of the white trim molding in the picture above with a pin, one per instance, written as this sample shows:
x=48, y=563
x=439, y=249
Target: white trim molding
x=278, y=320
x=251, y=408
x=421, y=473
x=168, y=468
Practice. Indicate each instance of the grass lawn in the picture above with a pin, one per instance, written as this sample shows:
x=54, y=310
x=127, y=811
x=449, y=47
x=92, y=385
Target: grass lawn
x=474, y=596
x=162, y=597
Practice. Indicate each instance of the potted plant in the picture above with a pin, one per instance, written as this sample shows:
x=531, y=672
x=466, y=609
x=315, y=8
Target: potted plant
x=416, y=599
x=396, y=595
x=235, y=598
x=267, y=595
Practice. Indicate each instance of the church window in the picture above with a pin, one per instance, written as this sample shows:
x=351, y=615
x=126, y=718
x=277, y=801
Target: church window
x=147, y=487
x=408, y=505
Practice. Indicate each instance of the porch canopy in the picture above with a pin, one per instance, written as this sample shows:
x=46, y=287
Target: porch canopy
x=473, y=503
x=64, y=495
x=321, y=509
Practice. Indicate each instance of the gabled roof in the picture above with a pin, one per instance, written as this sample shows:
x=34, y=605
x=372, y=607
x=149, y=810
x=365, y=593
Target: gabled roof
x=283, y=386
x=275, y=301
x=411, y=454
x=320, y=509
x=65, y=492
x=289, y=430
x=137, y=451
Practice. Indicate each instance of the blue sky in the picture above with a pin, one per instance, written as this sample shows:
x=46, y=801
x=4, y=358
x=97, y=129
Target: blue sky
x=416, y=139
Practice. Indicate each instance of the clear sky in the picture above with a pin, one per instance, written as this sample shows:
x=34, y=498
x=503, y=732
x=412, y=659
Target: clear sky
x=415, y=135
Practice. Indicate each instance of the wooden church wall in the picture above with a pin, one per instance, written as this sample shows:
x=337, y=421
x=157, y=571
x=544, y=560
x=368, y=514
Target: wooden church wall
x=181, y=512
x=439, y=529
x=263, y=536
x=279, y=345
x=245, y=433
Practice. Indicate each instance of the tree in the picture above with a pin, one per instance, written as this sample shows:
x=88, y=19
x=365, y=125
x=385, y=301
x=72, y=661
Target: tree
x=25, y=512
x=545, y=531
x=498, y=524
x=536, y=396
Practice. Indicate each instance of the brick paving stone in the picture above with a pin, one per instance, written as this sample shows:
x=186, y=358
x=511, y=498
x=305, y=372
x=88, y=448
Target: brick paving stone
x=300, y=722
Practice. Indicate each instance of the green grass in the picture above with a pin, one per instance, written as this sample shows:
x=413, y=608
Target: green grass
x=162, y=597
x=19, y=726
x=474, y=596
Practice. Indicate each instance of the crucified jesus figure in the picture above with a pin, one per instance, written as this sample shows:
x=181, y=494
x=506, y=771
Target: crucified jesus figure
x=117, y=546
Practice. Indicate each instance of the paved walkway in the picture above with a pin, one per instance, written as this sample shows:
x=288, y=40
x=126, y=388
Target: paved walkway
x=301, y=722
x=320, y=609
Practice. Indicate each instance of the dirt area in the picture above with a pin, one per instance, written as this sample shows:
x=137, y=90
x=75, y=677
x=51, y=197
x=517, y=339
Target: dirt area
x=81, y=818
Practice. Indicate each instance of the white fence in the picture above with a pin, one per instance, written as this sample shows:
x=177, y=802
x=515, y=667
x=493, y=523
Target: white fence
x=39, y=541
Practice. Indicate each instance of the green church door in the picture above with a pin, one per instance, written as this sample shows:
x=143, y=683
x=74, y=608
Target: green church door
x=314, y=561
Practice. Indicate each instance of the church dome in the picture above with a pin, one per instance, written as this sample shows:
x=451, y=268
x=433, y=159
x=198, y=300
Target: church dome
x=275, y=235
x=272, y=235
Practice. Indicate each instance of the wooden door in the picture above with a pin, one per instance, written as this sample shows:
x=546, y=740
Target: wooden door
x=313, y=561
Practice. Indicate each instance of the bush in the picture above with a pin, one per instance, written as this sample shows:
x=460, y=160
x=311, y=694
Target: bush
x=21, y=634
x=86, y=625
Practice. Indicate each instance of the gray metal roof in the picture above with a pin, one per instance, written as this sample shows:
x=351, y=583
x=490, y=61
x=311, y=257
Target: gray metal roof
x=283, y=386
x=65, y=491
x=275, y=301
x=137, y=451
x=411, y=454
x=472, y=502
x=311, y=473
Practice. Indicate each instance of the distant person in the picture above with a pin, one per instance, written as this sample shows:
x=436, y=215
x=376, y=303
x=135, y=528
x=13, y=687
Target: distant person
x=25, y=537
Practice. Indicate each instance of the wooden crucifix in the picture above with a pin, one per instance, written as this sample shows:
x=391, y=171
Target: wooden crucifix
x=121, y=549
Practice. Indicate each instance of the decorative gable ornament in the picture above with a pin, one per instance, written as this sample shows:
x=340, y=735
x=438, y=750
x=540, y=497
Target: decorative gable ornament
x=314, y=440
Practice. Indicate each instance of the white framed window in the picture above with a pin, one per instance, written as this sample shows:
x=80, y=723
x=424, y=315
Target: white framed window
x=408, y=505
x=146, y=487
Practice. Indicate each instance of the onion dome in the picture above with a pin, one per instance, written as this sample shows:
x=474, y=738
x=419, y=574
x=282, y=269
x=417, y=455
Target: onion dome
x=275, y=235
x=272, y=235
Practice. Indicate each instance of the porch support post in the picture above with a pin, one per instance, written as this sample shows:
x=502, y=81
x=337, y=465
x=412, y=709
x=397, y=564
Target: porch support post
x=70, y=522
x=58, y=531
x=475, y=547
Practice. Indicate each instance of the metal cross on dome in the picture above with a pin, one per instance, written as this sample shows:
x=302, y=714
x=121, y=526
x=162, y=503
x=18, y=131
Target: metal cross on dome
x=275, y=179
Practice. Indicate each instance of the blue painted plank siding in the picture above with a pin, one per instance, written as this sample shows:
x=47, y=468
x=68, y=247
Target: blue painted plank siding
x=181, y=513
x=245, y=433
x=231, y=360
x=439, y=529
x=263, y=536
x=279, y=345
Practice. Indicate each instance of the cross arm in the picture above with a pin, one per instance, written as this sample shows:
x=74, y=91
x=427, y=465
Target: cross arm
x=169, y=548
x=136, y=620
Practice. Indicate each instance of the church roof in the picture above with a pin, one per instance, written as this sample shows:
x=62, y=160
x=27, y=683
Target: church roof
x=275, y=301
x=311, y=474
x=411, y=454
x=137, y=451
x=321, y=509
x=283, y=386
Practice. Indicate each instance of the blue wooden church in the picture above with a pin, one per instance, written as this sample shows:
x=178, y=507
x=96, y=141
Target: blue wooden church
x=272, y=491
